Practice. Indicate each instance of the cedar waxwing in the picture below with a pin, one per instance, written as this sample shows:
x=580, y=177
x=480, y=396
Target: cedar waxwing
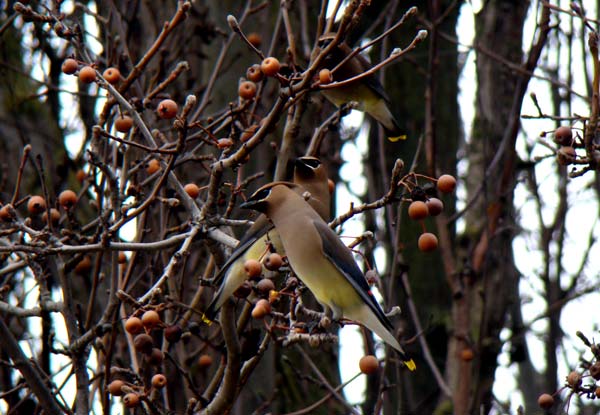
x=367, y=91
x=321, y=260
x=311, y=176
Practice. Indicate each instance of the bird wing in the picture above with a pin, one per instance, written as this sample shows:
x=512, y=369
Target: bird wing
x=260, y=228
x=341, y=257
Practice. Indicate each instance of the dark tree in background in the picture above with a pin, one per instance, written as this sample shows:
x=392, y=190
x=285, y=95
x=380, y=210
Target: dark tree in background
x=171, y=147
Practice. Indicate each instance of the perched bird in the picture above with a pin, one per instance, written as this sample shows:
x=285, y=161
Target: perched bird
x=367, y=91
x=321, y=260
x=311, y=177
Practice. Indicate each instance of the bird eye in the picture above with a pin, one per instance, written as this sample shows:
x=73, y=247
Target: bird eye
x=312, y=163
x=262, y=194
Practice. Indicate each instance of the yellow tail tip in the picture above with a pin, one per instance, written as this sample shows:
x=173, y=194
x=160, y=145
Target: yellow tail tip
x=410, y=364
x=206, y=319
x=397, y=138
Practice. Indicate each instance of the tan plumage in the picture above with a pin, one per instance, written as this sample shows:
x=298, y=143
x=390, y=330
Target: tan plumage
x=322, y=261
x=367, y=92
x=311, y=177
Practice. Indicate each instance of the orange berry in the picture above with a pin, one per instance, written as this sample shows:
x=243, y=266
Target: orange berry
x=446, y=183
x=368, y=364
x=69, y=66
x=435, y=206
x=134, y=325
x=84, y=266
x=545, y=401
x=205, y=361
x=597, y=392
x=67, y=199
x=159, y=381
x=325, y=76
x=261, y=309
x=247, y=90
x=153, y=166
x=167, y=109
x=428, y=242
x=248, y=133
x=574, y=379
x=273, y=261
x=131, y=400
x=6, y=214
x=36, y=205
x=255, y=39
x=253, y=268
x=270, y=66
x=192, y=190
x=114, y=387
x=87, y=74
x=563, y=136
x=150, y=319
x=224, y=143
x=123, y=123
x=80, y=176
x=254, y=74
x=467, y=354
x=112, y=75
x=265, y=286
x=418, y=210
x=143, y=343
x=122, y=258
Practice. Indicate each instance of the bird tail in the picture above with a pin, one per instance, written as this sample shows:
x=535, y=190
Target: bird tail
x=368, y=318
x=381, y=112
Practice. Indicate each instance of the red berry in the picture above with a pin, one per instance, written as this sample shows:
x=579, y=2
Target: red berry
x=84, y=266
x=247, y=90
x=131, y=400
x=6, y=214
x=428, y=242
x=467, y=354
x=435, y=206
x=563, y=136
x=205, y=361
x=270, y=66
x=574, y=379
x=36, y=205
x=243, y=290
x=114, y=387
x=80, y=176
x=167, y=109
x=368, y=364
x=418, y=210
x=545, y=401
x=265, y=286
x=67, y=199
x=159, y=381
x=143, y=343
x=153, y=166
x=446, y=183
x=112, y=75
x=255, y=39
x=254, y=73
x=273, y=261
x=122, y=258
x=87, y=74
x=173, y=333
x=69, y=66
x=123, y=123
x=566, y=155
